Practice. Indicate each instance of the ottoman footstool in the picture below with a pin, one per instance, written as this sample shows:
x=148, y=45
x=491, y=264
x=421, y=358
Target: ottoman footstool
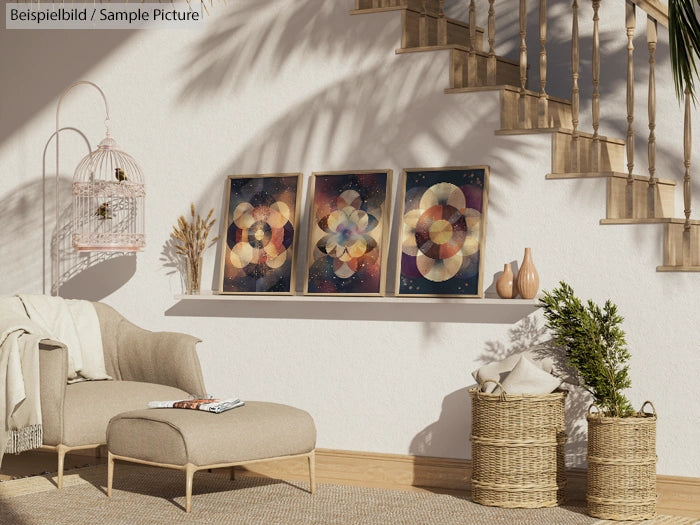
x=193, y=440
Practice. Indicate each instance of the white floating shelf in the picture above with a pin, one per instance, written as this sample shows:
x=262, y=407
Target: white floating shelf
x=355, y=308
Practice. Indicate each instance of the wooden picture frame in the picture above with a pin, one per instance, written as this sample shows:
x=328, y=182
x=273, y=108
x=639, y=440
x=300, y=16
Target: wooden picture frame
x=442, y=232
x=349, y=217
x=259, y=234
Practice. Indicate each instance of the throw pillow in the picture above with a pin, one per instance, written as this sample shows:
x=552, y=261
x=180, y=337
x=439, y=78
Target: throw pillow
x=528, y=378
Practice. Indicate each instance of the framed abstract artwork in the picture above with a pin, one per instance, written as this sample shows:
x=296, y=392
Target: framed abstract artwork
x=259, y=234
x=442, y=232
x=348, y=232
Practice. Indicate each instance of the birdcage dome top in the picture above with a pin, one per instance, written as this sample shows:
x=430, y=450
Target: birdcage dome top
x=108, y=163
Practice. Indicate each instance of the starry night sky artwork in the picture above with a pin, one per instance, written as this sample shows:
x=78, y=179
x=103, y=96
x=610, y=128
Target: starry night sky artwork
x=442, y=232
x=259, y=241
x=348, y=225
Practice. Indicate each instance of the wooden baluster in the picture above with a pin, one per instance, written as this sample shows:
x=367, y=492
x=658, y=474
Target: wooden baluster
x=442, y=25
x=687, y=143
x=574, y=152
x=491, y=62
x=595, y=103
x=471, y=66
x=630, y=23
x=523, y=62
x=423, y=25
x=543, y=110
x=652, y=38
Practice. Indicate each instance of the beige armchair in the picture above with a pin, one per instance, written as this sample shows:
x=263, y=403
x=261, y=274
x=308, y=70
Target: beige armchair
x=146, y=366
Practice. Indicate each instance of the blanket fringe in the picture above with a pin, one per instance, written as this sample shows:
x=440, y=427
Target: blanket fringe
x=26, y=438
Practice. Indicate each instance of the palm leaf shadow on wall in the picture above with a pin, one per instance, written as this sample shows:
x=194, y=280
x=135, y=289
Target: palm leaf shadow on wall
x=224, y=58
x=38, y=51
x=249, y=39
x=277, y=31
x=348, y=119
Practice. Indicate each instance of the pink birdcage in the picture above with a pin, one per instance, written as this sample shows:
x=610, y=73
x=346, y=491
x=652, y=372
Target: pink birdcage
x=108, y=201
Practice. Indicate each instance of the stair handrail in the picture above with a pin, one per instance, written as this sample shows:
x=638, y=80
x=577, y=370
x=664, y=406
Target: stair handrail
x=655, y=9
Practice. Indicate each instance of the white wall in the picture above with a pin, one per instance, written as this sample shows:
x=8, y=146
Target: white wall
x=301, y=85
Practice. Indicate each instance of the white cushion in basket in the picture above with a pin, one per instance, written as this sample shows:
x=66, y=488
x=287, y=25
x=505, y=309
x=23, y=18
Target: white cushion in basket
x=499, y=370
x=528, y=378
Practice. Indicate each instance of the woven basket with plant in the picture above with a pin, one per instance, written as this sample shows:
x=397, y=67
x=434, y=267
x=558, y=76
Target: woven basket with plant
x=621, y=442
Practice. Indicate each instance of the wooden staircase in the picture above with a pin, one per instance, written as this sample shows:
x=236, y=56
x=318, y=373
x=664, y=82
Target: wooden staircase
x=631, y=198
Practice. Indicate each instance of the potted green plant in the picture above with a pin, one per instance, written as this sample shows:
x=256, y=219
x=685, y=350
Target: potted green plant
x=621, y=442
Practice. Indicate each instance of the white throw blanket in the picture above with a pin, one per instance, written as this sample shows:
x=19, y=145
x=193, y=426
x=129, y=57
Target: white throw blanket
x=75, y=324
x=20, y=410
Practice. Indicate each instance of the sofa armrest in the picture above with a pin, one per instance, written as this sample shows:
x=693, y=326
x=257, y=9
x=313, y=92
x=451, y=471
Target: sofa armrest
x=53, y=370
x=166, y=358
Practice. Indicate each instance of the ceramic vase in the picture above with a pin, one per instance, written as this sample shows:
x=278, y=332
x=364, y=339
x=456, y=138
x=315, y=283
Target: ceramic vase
x=528, y=281
x=506, y=286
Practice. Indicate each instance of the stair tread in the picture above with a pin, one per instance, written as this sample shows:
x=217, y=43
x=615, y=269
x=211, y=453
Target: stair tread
x=506, y=87
x=605, y=174
x=567, y=131
x=641, y=220
x=370, y=10
x=655, y=220
x=460, y=47
x=678, y=268
x=435, y=47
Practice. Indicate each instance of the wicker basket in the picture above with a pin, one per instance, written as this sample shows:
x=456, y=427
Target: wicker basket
x=518, y=449
x=622, y=465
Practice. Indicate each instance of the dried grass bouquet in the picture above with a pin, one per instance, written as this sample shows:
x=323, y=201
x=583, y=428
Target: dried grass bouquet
x=191, y=241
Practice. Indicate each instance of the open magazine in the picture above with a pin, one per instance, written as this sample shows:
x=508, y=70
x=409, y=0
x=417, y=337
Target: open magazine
x=207, y=405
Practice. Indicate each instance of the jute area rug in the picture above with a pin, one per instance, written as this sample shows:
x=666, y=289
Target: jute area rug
x=148, y=495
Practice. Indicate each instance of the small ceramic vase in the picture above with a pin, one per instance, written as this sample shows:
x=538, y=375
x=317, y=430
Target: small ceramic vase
x=528, y=281
x=506, y=286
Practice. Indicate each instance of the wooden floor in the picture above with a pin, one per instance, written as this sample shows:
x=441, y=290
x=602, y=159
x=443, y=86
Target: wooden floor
x=677, y=496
